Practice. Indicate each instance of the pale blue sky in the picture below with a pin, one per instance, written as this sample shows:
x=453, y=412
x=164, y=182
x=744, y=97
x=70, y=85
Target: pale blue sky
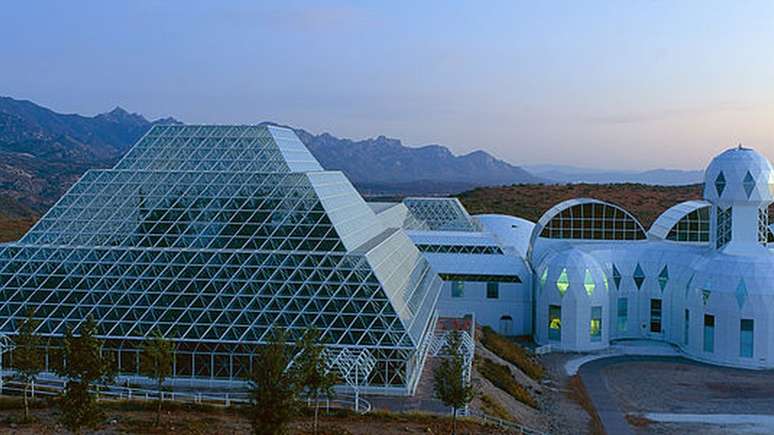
x=631, y=84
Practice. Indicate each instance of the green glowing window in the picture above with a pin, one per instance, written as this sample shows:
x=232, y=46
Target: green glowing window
x=588, y=283
x=563, y=283
x=554, y=322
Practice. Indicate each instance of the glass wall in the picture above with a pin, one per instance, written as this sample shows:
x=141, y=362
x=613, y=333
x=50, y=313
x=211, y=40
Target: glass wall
x=709, y=333
x=596, y=323
x=655, y=315
x=555, y=322
x=746, y=328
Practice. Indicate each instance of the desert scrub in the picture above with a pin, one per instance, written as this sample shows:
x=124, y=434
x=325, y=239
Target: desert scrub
x=491, y=406
x=500, y=376
x=511, y=352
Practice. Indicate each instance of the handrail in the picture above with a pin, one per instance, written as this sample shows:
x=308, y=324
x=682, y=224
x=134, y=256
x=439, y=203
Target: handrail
x=54, y=387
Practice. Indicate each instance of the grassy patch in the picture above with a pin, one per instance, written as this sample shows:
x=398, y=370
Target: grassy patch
x=577, y=392
x=500, y=376
x=491, y=406
x=511, y=352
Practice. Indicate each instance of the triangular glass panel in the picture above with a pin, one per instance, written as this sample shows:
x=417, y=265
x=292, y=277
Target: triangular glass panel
x=563, y=283
x=543, y=278
x=720, y=183
x=639, y=276
x=616, y=278
x=663, y=278
x=749, y=184
x=588, y=283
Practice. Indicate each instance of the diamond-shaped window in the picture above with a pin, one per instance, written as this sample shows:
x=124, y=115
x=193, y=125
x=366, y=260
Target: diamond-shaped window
x=588, y=283
x=663, y=278
x=720, y=183
x=705, y=295
x=563, y=283
x=604, y=280
x=639, y=276
x=748, y=184
x=741, y=293
x=543, y=278
x=616, y=278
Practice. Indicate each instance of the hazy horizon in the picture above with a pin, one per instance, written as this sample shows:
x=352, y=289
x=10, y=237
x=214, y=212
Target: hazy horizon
x=608, y=85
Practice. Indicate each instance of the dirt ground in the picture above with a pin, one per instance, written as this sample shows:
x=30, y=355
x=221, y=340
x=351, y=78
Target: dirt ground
x=683, y=387
x=560, y=405
x=224, y=422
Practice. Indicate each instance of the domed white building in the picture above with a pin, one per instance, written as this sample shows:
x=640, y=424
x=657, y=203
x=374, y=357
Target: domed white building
x=588, y=273
x=701, y=278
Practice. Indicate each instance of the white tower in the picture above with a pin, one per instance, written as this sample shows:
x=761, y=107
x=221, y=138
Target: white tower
x=739, y=183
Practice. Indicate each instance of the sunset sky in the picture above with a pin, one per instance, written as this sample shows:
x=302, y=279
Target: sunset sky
x=604, y=84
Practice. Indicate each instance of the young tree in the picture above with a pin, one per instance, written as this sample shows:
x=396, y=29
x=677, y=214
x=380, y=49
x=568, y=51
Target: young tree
x=274, y=389
x=315, y=379
x=157, y=355
x=449, y=381
x=27, y=356
x=83, y=366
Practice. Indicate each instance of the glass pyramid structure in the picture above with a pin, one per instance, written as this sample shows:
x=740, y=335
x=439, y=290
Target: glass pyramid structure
x=213, y=235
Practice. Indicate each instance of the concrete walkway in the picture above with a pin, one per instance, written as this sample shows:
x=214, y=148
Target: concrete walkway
x=755, y=422
x=623, y=348
x=612, y=417
x=590, y=369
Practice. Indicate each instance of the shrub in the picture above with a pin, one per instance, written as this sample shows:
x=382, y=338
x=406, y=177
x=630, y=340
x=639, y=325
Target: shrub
x=511, y=352
x=491, y=406
x=500, y=376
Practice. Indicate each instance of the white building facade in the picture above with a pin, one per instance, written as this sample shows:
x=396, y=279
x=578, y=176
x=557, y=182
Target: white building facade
x=588, y=273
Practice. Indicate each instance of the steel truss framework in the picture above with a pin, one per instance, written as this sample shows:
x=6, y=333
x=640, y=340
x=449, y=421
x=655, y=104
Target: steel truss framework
x=214, y=235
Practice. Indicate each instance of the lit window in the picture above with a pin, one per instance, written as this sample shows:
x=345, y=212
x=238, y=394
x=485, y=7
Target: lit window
x=458, y=289
x=655, y=315
x=623, y=314
x=554, y=322
x=563, y=283
x=746, y=338
x=588, y=283
x=492, y=290
x=596, y=323
x=709, y=333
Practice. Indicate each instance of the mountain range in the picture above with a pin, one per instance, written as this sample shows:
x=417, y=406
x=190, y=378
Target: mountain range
x=43, y=152
x=573, y=174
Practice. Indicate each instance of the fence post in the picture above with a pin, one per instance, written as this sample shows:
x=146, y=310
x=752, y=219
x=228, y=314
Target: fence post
x=227, y=400
x=33, y=389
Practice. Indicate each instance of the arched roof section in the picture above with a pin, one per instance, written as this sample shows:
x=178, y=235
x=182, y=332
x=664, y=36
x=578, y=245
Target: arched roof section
x=588, y=219
x=684, y=222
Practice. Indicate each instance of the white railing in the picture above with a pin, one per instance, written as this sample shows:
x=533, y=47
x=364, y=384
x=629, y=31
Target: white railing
x=54, y=387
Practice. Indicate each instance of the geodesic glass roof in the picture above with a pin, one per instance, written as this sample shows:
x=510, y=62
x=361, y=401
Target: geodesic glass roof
x=218, y=233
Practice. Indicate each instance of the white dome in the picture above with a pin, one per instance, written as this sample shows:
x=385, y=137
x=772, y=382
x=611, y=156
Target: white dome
x=574, y=273
x=739, y=174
